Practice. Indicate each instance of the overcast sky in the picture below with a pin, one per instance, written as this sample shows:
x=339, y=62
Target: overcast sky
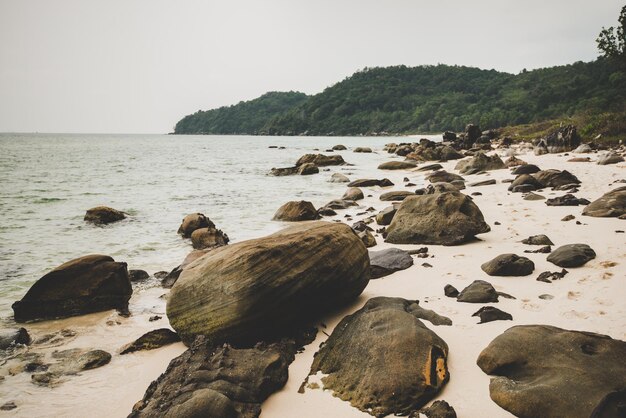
x=137, y=66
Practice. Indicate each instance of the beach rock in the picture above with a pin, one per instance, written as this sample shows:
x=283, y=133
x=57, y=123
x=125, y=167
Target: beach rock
x=611, y=204
x=353, y=193
x=568, y=218
x=479, y=162
x=443, y=176
x=610, y=158
x=490, y=314
x=527, y=180
x=208, y=238
x=513, y=161
x=8, y=406
x=437, y=188
x=192, y=222
x=447, y=153
x=438, y=409
x=151, y=340
x=339, y=178
x=320, y=160
x=583, y=149
x=479, y=291
x=483, y=183
x=70, y=362
x=307, y=169
x=395, y=196
x=579, y=160
x=362, y=149
x=572, y=255
x=537, y=240
x=367, y=238
x=543, y=250
x=472, y=133
x=247, y=291
x=220, y=380
x=533, y=196
x=386, y=262
x=396, y=165
x=508, y=265
x=555, y=178
x=526, y=169
x=430, y=167
x=449, y=218
x=563, y=139
x=370, y=182
x=566, y=200
x=559, y=373
x=283, y=171
x=296, y=211
x=137, y=275
x=170, y=278
x=103, y=215
x=412, y=370
x=450, y=291
x=449, y=136
x=386, y=215
x=339, y=147
x=87, y=284
x=340, y=204
x=550, y=276
x=14, y=337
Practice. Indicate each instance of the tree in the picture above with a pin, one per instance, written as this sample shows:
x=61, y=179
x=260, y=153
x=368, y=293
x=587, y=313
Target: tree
x=612, y=42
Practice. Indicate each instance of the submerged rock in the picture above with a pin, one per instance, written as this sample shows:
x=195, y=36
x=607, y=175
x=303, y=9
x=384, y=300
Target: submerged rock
x=138, y=275
x=296, y=211
x=151, y=340
x=208, y=238
x=508, y=265
x=192, y=222
x=572, y=255
x=559, y=373
x=70, y=362
x=254, y=289
x=14, y=337
x=103, y=215
x=449, y=218
x=611, y=204
x=87, y=284
x=412, y=370
x=386, y=262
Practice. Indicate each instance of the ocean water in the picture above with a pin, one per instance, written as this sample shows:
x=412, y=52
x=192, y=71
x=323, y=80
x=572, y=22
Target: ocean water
x=48, y=181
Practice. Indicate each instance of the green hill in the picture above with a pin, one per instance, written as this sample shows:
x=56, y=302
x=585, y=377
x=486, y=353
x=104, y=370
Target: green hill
x=243, y=118
x=424, y=99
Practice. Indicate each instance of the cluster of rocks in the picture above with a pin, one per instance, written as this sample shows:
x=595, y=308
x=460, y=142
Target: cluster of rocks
x=309, y=164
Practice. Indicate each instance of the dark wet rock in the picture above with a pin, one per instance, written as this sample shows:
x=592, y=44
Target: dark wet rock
x=472, y=133
x=449, y=136
x=339, y=204
x=430, y=167
x=443, y=176
x=525, y=169
x=546, y=296
x=537, y=240
x=449, y=218
x=307, y=169
x=71, y=362
x=527, y=180
x=363, y=149
x=168, y=281
x=568, y=218
x=397, y=165
x=353, y=193
x=137, y=275
x=508, y=265
x=412, y=371
x=479, y=291
x=8, y=406
x=208, y=238
x=14, y=337
x=533, y=196
x=555, y=178
x=395, y=196
x=450, y=291
x=386, y=215
x=361, y=226
x=563, y=139
x=543, y=250
x=339, y=178
x=478, y=163
x=87, y=284
x=427, y=265
x=550, y=276
x=490, y=314
x=151, y=340
x=566, y=200
x=220, y=380
x=192, y=222
x=103, y=215
x=482, y=183
x=386, y=262
x=296, y=211
x=370, y=183
x=283, y=171
x=611, y=204
x=367, y=238
x=437, y=188
x=154, y=318
x=320, y=160
x=246, y=292
x=572, y=255
x=438, y=409
x=559, y=373
x=610, y=158
x=476, y=194
x=160, y=275
x=339, y=147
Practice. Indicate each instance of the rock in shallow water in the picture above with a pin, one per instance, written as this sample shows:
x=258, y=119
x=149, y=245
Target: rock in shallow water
x=192, y=222
x=412, y=370
x=102, y=215
x=151, y=340
x=88, y=284
x=254, y=289
x=559, y=373
x=479, y=291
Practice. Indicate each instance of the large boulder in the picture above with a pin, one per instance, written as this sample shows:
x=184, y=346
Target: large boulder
x=555, y=178
x=611, y=204
x=102, y=215
x=525, y=182
x=508, y=265
x=296, y=211
x=320, y=160
x=479, y=162
x=192, y=222
x=353, y=193
x=448, y=218
x=558, y=373
x=386, y=262
x=208, y=238
x=572, y=255
x=257, y=288
x=383, y=359
x=12, y=338
x=563, y=139
x=87, y=284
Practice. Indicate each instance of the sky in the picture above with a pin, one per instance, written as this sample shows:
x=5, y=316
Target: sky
x=138, y=66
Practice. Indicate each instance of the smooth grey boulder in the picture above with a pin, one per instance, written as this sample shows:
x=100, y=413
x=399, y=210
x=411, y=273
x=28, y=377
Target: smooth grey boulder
x=339, y=147
x=572, y=255
x=353, y=193
x=448, y=218
x=527, y=180
x=558, y=373
x=253, y=289
x=479, y=162
x=611, y=204
x=479, y=291
x=362, y=149
x=508, y=265
x=412, y=370
x=339, y=178
x=386, y=262
x=296, y=211
x=610, y=158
